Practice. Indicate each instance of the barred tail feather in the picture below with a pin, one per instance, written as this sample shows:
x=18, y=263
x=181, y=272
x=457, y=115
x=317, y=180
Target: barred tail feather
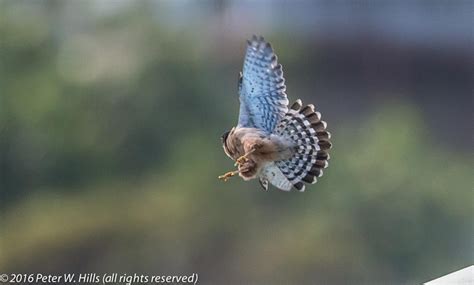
x=304, y=127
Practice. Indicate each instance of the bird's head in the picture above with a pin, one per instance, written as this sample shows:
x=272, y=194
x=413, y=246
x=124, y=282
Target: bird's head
x=225, y=142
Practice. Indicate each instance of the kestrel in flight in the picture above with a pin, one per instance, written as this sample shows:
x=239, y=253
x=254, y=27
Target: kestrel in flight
x=284, y=147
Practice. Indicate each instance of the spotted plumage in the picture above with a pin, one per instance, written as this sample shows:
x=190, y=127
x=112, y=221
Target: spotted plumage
x=285, y=147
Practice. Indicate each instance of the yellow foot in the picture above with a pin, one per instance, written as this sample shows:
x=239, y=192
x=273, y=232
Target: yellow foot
x=228, y=175
x=241, y=160
x=244, y=158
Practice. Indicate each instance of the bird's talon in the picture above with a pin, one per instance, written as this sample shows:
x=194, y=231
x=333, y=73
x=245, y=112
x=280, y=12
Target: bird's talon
x=241, y=160
x=227, y=175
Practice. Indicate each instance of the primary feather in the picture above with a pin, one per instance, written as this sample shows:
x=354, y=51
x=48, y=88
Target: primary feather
x=263, y=101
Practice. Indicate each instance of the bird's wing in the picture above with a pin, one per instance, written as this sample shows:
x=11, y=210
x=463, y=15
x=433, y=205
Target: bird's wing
x=271, y=173
x=263, y=100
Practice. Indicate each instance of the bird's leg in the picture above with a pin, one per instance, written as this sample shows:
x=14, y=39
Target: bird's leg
x=244, y=158
x=228, y=175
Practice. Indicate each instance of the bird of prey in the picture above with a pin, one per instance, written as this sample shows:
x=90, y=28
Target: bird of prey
x=286, y=147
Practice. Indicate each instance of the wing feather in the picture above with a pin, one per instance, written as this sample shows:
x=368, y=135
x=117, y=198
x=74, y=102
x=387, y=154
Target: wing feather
x=263, y=101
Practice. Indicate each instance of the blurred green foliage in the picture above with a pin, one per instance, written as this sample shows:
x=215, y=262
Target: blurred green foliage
x=388, y=208
x=110, y=156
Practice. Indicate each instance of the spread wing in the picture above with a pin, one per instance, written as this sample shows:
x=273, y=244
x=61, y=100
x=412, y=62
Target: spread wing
x=263, y=100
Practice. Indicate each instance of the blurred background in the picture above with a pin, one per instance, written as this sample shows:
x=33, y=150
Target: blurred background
x=111, y=114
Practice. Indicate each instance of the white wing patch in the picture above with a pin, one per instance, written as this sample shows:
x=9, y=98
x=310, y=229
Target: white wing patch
x=273, y=174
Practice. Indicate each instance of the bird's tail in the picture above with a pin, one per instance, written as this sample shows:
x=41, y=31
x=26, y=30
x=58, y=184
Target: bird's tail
x=304, y=127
